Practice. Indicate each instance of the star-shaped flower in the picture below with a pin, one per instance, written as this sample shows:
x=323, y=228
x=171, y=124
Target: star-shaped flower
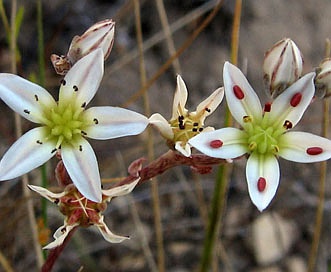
x=183, y=124
x=79, y=211
x=65, y=124
x=265, y=134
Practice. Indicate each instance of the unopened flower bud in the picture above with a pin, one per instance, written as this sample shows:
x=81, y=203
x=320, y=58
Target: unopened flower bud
x=323, y=79
x=282, y=66
x=99, y=35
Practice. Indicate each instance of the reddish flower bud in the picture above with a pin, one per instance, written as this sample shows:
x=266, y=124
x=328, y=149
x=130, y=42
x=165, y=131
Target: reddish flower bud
x=282, y=66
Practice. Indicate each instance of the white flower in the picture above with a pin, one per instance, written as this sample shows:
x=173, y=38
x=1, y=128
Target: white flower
x=80, y=211
x=265, y=134
x=183, y=124
x=65, y=124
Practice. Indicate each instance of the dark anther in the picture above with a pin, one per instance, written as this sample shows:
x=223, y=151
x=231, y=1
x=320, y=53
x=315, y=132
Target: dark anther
x=56, y=201
x=63, y=82
x=200, y=129
x=195, y=124
x=75, y=88
x=287, y=124
x=194, y=129
x=36, y=97
x=83, y=133
x=181, y=126
x=96, y=121
x=27, y=111
x=207, y=109
x=54, y=150
x=63, y=230
x=180, y=118
x=39, y=142
x=83, y=105
x=80, y=148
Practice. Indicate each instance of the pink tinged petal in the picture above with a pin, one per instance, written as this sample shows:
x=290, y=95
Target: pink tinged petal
x=304, y=147
x=120, y=190
x=26, y=154
x=240, y=96
x=60, y=235
x=210, y=104
x=24, y=97
x=100, y=35
x=180, y=99
x=183, y=148
x=113, y=122
x=82, y=166
x=82, y=81
x=292, y=103
x=158, y=121
x=225, y=143
x=108, y=235
x=53, y=197
x=262, y=173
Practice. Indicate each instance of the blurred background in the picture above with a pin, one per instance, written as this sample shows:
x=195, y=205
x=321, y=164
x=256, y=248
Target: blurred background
x=279, y=239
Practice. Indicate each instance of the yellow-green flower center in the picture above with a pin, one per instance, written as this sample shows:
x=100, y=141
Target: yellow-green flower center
x=185, y=127
x=64, y=123
x=263, y=137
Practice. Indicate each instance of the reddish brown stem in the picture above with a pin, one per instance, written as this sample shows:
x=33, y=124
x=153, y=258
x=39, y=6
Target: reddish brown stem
x=200, y=163
x=55, y=253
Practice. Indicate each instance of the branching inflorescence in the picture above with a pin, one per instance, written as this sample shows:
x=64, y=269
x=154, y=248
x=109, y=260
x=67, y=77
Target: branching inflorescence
x=65, y=125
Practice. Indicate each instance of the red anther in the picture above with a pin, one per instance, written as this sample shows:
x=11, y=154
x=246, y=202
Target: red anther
x=267, y=107
x=295, y=100
x=314, y=150
x=261, y=184
x=238, y=92
x=216, y=144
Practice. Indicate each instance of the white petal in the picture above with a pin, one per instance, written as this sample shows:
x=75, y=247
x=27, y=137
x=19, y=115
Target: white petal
x=45, y=193
x=281, y=109
x=26, y=154
x=162, y=125
x=24, y=97
x=82, y=166
x=180, y=98
x=120, y=190
x=225, y=143
x=294, y=146
x=262, y=166
x=82, y=81
x=60, y=234
x=249, y=103
x=108, y=235
x=113, y=122
x=210, y=104
x=183, y=148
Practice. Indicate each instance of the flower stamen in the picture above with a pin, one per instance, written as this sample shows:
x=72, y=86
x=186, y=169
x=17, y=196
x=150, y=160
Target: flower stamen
x=314, y=150
x=216, y=144
x=238, y=92
x=261, y=184
x=296, y=99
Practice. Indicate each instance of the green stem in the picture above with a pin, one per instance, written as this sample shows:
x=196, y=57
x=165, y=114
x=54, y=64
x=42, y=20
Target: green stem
x=322, y=180
x=41, y=81
x=224, y=170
